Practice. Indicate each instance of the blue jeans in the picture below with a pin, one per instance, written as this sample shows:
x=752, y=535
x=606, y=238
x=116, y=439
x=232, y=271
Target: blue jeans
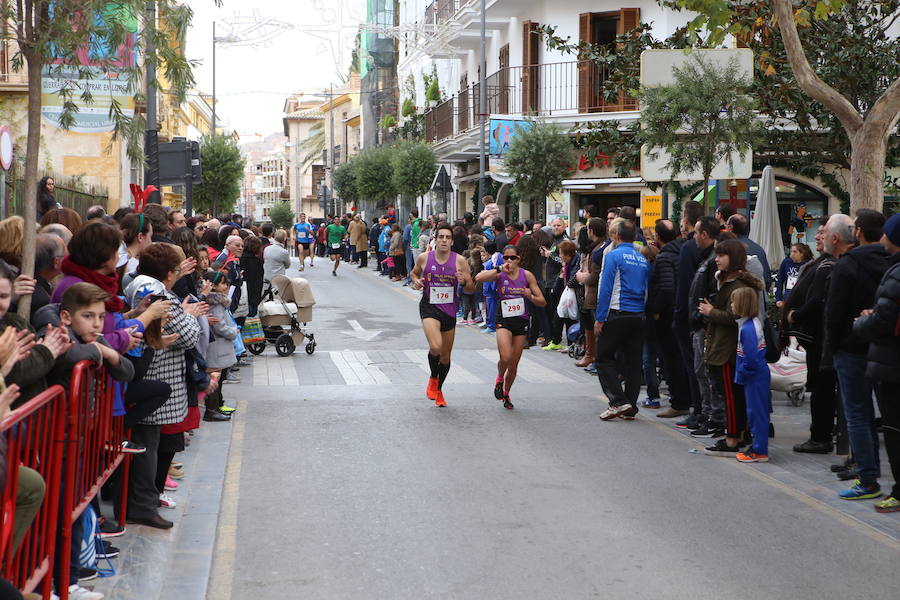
x=410, y=263
x=859, y=411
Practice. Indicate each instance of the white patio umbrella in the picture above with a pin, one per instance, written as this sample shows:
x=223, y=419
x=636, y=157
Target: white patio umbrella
x=765, y=226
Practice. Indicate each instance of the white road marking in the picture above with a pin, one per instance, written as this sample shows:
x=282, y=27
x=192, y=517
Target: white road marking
x=457, y=373
x=530, y=370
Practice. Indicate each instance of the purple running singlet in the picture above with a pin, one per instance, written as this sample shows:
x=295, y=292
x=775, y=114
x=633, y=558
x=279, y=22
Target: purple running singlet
x=511, y=295
x=440, y=284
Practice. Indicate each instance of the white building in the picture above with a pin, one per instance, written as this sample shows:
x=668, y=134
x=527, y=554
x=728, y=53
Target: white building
x=303, y=119
x=525, y=78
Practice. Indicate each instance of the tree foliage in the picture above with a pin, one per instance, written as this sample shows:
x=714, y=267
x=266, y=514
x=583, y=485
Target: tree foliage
x=697, y=130
x=312, y=147
x=281, y=215
x=539, y=158
x=344, y=181
x=375, y=175
x=414, y=166
x=223, y=169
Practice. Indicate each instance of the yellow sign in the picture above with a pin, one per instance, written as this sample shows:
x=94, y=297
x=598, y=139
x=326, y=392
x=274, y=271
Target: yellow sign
x=651, y=210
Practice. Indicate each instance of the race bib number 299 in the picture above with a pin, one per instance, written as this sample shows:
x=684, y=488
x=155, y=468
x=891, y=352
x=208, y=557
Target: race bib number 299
x=513, y=307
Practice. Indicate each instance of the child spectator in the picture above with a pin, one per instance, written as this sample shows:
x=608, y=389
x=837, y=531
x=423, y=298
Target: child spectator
x=752, y=372
x=220, y=354
x=789, y=271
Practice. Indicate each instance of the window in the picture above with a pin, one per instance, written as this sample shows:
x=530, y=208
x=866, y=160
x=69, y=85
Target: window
x=798, y=205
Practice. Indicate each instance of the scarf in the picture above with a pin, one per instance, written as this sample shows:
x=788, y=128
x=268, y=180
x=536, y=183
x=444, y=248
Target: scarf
x=108, y=283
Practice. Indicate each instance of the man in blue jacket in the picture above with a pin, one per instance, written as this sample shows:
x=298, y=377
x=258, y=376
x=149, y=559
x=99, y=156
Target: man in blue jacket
x=619, y=321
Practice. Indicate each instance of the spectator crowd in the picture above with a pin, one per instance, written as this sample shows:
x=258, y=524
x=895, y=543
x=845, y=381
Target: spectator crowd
x=159, y=301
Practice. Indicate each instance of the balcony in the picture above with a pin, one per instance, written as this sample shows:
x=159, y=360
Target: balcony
x=441, y=11
x=548, y=90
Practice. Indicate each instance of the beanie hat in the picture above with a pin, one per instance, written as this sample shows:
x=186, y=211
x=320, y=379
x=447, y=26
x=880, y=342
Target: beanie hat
x=892, y=229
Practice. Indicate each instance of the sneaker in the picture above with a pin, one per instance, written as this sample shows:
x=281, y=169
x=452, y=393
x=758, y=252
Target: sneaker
x=244, y=362
x=708, y=430
x=648, y=403
x=721, y=448
x=749, y=457
x=110, y=529
x=498, y=388
x=888, y=505
x=506, y=402
x=177, y=465
x=85, y=574
x=432, y=388
x=166, y=501
x=439, y=399
x=175, y=472
x=334, y=273
x=591, y=370
x=613, y=412
x=858, y=491
x=671, y=413
x=551, y=346
x=129, y=447
x=171, y=485
x=692, y=422
x=811, y=446
x=76, y=592
x=232, y=378
x=107, y=551
x=629, y=413
x=226, y=410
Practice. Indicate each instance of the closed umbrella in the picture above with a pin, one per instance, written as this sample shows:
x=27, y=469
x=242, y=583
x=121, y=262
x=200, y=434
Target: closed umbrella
x=765, y=226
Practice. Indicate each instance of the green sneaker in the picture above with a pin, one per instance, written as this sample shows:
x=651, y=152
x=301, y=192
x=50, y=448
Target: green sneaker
x=552, y=346
x=888, y=505
x=226, y=409
x=858, y=491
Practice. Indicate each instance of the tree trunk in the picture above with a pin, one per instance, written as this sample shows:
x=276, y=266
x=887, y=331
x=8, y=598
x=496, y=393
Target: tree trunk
x=868, y=149
x=32, y=151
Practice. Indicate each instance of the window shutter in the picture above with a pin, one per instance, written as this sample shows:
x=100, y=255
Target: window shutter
x=462, y=107
x=629, y=18
x=585, y=68
x=530, y=67
x=503, y=108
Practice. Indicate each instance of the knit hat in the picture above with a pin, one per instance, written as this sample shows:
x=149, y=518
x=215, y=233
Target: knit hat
x=892, y=229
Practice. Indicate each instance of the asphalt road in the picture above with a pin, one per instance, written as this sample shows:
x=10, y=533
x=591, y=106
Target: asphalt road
x=344, y=481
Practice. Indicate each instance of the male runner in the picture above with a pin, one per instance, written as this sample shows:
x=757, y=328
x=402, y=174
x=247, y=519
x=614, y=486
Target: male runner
x=437, y=274
x=334, y=236
x=303, y=237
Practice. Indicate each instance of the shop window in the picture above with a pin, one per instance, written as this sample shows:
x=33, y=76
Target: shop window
x=799, y=206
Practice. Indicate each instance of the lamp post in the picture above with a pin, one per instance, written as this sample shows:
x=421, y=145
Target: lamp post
x=482, y=103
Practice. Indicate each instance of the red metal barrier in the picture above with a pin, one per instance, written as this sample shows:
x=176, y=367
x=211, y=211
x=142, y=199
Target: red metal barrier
x=94, y=437
x=36, y=434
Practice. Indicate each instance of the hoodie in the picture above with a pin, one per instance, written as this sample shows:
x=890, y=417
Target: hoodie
x=855, y=278
x=220, y=353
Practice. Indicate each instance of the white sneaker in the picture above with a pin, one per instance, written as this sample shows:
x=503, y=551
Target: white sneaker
x=166, y=501
x=76, y=592
x=564, y=349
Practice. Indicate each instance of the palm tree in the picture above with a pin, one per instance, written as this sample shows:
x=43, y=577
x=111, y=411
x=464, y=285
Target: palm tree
x=311, y=148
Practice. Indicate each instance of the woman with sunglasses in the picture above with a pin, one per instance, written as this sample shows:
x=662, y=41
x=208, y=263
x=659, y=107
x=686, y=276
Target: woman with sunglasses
x=515, y=285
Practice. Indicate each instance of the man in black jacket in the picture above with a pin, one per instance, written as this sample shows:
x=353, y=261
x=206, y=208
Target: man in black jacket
x=803, y=315
x=740, y=227
x=660, y=307
x=880, y=326
x=688, y=261
x=852, y=290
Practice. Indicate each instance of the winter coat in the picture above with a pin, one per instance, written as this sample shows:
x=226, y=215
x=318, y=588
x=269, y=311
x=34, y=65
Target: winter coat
x=490, y=212
x=755, y=267
x=357, y=231
x=276, y=261
x=754, y=249
x=220, y=353
x=169, y=365
x=396, y=244
x=722, y=331
x=663, y=279
x=594, y=264
x=253, y=276
x=882, y=328
x=703, y=286
x=29, y=373
x=374, y=235
x=807, y=302
x=689, y=260
x=853, y=283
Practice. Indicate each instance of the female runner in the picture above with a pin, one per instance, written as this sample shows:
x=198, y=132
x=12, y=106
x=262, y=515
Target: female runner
x=514, y=286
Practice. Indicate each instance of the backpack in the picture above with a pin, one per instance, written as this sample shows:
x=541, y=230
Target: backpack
x=92, y=544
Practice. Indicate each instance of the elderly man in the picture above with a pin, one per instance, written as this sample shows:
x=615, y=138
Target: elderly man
x=95, y=212
x=49, y=253
x=852, y=290
x=59, y=230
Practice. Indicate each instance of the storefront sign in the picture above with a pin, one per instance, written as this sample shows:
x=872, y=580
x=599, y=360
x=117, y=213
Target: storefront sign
x=651, y=210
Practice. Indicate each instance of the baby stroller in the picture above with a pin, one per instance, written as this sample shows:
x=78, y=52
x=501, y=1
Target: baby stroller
x=286, y=304
x=789, y=373
x=575, y=338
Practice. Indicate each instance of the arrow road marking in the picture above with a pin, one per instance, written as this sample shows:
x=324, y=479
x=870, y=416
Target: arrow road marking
x=360, y=333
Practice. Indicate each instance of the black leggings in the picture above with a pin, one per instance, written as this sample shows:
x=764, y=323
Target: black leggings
x=143, y=398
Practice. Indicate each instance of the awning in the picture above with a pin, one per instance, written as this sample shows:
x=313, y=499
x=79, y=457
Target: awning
x=499, y=177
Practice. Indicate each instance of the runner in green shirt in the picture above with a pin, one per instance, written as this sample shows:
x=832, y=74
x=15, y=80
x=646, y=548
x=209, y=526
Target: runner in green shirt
x=335, y=234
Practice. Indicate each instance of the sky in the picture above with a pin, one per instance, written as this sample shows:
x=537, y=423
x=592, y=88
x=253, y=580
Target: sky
x=285, y=46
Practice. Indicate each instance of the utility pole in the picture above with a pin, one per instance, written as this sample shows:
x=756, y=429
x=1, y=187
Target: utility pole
x=482, y=105
x=331, y=146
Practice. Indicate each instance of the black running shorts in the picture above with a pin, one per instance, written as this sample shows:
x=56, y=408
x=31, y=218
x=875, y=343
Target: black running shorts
x=430, y=311
x=304, y=244
x=515, y=325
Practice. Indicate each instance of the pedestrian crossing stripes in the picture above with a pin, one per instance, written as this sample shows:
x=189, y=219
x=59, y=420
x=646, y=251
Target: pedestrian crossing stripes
x=397, y=367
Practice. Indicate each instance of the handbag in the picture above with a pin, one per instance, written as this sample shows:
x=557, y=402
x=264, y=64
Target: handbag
x=773, y=348
x=252, y=331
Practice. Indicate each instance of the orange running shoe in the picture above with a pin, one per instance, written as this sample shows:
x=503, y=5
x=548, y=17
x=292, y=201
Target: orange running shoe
x=439, y=399
x=432, y=389
x=751, y=457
